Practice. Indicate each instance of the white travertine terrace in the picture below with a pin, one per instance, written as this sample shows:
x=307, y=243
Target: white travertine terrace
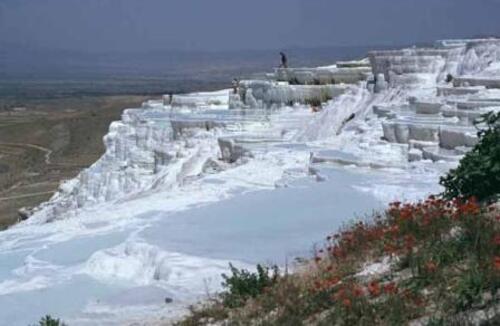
x=418, y=104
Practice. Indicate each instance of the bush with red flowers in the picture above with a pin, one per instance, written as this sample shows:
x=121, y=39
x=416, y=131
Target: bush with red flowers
x=440, y=259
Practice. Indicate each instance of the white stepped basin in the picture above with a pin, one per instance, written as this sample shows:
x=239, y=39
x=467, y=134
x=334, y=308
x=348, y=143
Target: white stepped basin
x=487, y=82
x=420, y=144
x=427, y=107
x=342, y=158
x=452, y=137
x=458, y=91
x=423, y=132
x=426, y=119
x=401, y=131
x=410, y=52
x=466, y=115
x=473, y=105
x=407, y=62
x=396, y=132
x=334, y=156
x=450, y=43
x=270, y=93
x=230, y=151
x=437, y=154
x=324, y=76
x=391, y=111
x=244, y=142
x=198, y=99
x=179, y=126
x=415, y=154
x=384, y=111
x=234, y=148
x=462, y=150
x=354, y=64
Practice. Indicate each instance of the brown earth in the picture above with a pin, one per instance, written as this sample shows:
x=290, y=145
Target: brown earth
x=48, y=141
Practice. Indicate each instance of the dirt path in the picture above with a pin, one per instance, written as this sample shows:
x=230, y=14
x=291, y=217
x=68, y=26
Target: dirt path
x=47, y=151
x=35, y=194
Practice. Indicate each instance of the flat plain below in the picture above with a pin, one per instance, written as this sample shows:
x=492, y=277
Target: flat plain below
x=46, y=141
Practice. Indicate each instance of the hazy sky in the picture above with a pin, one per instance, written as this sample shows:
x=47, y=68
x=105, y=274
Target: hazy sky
x=129, y=25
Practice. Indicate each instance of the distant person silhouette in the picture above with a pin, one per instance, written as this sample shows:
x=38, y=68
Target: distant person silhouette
x=284, y=60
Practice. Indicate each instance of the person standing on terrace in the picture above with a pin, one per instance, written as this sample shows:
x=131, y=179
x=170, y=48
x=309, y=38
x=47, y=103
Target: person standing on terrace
x=284, y=60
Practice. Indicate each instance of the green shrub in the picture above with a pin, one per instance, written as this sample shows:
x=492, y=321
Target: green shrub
x=49, y=321
x=478, y=173
x=242, y=284
x=469, y=288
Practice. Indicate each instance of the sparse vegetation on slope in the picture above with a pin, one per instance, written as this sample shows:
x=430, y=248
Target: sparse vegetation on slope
x=434, y=262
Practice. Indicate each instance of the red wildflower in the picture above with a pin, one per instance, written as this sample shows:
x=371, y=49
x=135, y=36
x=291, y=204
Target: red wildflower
x=337, y=252
x=430, y=267
x=394, y=230
x=471, y=207
x=406, y=213
x=496, y=240
x=409, y=241
x=348, y=236
x=339, y=295
x=418, y=301
x=347, y=303
x=389, y=248
x=496, y=263
x=317, y=285
x=390, y=288
x=395, y=204
x=374, y=289
x=333, y=281
x=357, y=291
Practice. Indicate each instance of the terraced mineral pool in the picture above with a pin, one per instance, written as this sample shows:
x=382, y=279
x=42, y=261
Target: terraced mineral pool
x=129, y=272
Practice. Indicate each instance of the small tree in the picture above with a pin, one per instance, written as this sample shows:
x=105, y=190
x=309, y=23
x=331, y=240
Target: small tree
x=242, y=284
x=478, y=173
x=49, y=321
